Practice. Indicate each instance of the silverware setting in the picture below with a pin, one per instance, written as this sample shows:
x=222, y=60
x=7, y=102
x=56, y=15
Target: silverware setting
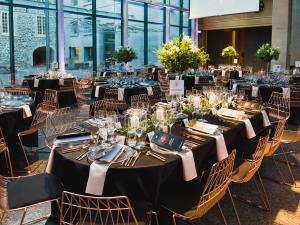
x=82, y=155
x=131, y=160
x=155, y=155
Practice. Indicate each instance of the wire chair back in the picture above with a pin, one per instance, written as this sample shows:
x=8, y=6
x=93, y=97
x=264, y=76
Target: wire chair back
x=295, y=97
x=88, y=210
x=139, y=98
x=278, y=106
x=217, y=183
x=19, y=91
x=50, y=98
x=276, y=139
x=212, y=88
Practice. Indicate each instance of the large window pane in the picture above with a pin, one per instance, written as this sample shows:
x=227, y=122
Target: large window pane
x=78, y=43
x=35, y=50
x=185, y=19
x=155, y=14
x=186, y=4
x=174, y=32
x=37, y=3
x=83, y=6
x=108, y=39
x=109, y=8
x=174, y=2
x=136, y=41
x=136, y=11
x=155, y=41
x=5, y=50
x=175, y=17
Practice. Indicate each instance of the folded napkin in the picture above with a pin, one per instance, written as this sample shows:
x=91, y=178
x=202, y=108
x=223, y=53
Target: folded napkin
x=98, y=170
x=61, y=82
x=234, y=88
x=36, y=82
x=104, y=74
x=203, y=127
x=286, y=92
x=240, y=73
x=97, y=89
x=149, y=91
x=196, y=80
x=254, y=91
x=153, y=69
x=223, y=73
x=26, y=111
x=266, y=121
x=121, y=94
x=188, y=162
x=235, y=114
x=176, y=77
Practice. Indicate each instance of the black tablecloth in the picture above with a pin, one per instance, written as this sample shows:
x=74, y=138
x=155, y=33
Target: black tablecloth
x=44, y=84
x=128, y=92
x=145, y=180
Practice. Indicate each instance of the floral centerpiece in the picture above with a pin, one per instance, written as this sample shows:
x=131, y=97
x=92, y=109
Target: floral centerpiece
x=229, y=52
x=181, y=54
x=267, y=53
x=124, y=55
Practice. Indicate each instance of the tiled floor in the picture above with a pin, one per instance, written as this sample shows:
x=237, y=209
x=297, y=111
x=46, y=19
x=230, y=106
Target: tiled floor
x=285, y=200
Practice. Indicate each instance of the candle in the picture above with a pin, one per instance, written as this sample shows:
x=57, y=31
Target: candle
x=134, y=122
x=160, y=114
x=235, y=61
x=196, y=102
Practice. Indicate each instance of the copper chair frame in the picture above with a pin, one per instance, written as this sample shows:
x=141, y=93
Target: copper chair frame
x=5, y=150
x=278, y=106
x=215, y=188
x=108, y=210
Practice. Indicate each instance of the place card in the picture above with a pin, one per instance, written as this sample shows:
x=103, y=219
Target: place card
x=176, y=87
x=203, y=127
x=297, y=64
x=168, y=141
x=276, y=68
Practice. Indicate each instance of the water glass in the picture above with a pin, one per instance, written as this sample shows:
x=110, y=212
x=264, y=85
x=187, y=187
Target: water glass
x=131, y=138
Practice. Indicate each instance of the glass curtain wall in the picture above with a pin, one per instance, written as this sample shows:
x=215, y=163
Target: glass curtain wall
x=93, y=31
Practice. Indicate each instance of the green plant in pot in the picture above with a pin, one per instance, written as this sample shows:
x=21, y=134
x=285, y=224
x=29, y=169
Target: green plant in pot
x=124, y=55
x=267, y=53
x=181, y=54
x=229, y=52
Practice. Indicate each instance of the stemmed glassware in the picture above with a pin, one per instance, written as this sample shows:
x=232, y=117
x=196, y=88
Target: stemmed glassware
x=170, y=118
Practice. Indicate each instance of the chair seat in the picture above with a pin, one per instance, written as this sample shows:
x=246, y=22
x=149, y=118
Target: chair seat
x=267, y=148
x=240, y=171
x=30, y=190
x=290, y=136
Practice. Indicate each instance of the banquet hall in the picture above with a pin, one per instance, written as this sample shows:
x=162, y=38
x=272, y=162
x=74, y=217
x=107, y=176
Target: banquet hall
x=150, y=112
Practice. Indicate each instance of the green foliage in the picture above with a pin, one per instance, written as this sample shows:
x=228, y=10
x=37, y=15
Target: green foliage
x=266, y=53
x=124, y=54
x=181, y=54
x=229, y=51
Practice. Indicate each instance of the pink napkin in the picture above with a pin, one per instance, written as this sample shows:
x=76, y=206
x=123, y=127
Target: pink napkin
x=96, y=179
x=26, y=111
x=189, y=167
x=249, y=129
x=36, y=82
x=266, y=121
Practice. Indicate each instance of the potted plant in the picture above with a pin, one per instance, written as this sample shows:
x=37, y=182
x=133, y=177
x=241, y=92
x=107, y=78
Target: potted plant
x=229, y=52
x=267, y=53
x=124, y=55
x=181, y=54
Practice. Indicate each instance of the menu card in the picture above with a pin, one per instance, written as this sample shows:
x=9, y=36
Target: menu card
x=168, y=141
x=203, y=127
x=231, y=113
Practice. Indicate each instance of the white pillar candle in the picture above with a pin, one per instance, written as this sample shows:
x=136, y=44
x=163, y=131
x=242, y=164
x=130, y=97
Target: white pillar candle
x=196, y=101
x=134, y=122
x=160, y=114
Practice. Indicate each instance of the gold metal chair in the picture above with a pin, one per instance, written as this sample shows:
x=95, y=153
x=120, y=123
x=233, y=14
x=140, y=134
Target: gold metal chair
x=38, y=122
x=111, y=95
x=18, y=91
x=18, y=194
x=68, y=85
x=4, y=149
x=248, y=168
x=215, y=188
x=157, y=95
x=50, y=101
x=270, y=151
x=139, y=98
x=212, y=88
x=90, y=210
x=278, y=107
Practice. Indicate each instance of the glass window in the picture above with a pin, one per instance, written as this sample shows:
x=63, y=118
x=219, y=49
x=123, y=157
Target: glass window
x=109, y=8
x=186, y=4
x=155, y=41
x=41, y=29
x=136, y=41
x=174, y=2
x=186, y=20
x=37, y=3
x=174, y=32
x=34, y=50
x=78, y=43
x=175, y=17
x=155, y=14
x=108, y=39
x=83, y=6
x=5, y=27
x=136, y=11
x=5, y=51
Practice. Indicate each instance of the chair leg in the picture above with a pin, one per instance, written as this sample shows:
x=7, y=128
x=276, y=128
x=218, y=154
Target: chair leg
x=23, y=150
x=222, y=214
x=289, y=152
x=264, y=190
x=288, y=165
x=234, y=207
x=8, y=162
x=261, y=195
x=23, y=216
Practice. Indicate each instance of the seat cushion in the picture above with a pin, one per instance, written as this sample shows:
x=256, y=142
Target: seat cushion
x=33, y=189
x=241, y=169
x=290, y=136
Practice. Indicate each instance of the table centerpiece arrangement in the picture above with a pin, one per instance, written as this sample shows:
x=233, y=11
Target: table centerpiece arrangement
x=125, y=55
x=267, y=53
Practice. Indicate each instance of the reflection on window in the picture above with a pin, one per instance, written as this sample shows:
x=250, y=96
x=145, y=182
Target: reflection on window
x=136, y=41
x=74, y=27
x=88, y=53
x=5, y=22
x=41, y=27
x=155, y=37
x=73, y=53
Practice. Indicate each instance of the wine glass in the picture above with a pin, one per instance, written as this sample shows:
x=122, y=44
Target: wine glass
x=171, y=119
x=131, y=138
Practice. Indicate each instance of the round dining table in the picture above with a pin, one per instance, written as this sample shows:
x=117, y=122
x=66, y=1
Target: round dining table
x=98, y=90
x=145, y=180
